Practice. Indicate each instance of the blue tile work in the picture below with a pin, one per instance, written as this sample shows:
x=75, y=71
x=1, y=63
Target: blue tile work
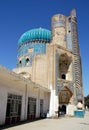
x=35, y=34
x=60, y=23
x=23, y=62
x=79, y=93
x=38, y=48
x=71, y=87
x=69, y=38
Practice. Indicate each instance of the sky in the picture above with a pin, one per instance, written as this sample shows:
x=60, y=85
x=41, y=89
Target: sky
x=19, y=16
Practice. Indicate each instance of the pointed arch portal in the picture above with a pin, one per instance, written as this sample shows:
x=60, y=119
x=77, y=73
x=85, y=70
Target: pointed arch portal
x=64, y=98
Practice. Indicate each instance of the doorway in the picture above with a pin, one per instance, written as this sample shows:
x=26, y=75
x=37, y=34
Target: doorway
x=31, y=114
x=64, y=98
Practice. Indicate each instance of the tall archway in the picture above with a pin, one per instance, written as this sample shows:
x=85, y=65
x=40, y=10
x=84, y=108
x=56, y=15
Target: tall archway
x=64, y=98
x=64, y=63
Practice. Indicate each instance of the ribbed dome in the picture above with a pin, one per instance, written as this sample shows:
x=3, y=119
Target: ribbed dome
x=35, y=34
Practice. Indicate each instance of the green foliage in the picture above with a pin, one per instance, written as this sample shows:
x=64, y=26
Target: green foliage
x=86, y=99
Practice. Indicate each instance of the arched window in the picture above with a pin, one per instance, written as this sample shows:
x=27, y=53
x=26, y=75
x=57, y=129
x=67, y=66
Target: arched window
x=63, y=76
x=27, y=61
x=20, y=62
x=69, y=20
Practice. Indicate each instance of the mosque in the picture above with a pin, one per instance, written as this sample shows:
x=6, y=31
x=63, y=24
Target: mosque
x=48, y=76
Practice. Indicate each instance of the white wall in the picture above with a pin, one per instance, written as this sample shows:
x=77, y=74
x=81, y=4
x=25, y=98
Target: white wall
x=24, y=91
x=3, y=103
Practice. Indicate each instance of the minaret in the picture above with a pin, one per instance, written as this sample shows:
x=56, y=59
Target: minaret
x=77, y=57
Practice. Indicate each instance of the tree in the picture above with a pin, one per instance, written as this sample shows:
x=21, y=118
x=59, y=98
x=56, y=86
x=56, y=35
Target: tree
x=86, y=99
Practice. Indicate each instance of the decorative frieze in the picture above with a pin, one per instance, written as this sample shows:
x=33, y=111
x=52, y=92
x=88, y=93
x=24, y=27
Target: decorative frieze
x=63, y=83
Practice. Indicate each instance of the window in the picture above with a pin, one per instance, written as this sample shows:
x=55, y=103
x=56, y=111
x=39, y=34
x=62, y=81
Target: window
x=27, y=61
x=20, y=62
x=31, y=114
x=14, y=101
x=69, y=20
x=63, y=76
x=13, y=111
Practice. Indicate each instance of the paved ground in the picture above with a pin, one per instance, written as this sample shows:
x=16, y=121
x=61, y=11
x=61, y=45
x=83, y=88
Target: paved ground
x=63, y=123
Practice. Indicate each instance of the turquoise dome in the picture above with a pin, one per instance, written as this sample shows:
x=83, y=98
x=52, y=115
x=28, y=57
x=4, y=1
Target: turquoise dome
x=35, y=34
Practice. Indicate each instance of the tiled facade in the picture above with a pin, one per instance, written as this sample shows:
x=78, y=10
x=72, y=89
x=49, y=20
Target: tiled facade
x=56, y=64
x=49, y=68
x=29, y=50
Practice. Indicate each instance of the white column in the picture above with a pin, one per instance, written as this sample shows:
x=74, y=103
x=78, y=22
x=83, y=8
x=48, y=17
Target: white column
x=51, y=109
x=53, y=104
x=56, y=103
